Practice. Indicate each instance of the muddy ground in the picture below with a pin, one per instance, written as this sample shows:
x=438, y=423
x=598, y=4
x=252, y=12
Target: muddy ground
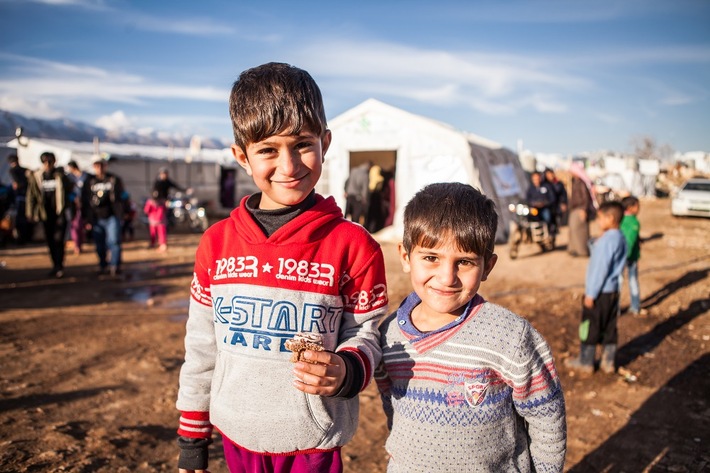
x=90, y=364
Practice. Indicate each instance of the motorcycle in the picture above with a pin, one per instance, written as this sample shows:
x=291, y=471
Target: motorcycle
x=527, y=226
x=186, y=210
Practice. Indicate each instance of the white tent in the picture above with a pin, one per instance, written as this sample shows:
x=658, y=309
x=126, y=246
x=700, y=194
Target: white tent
x=421, y=151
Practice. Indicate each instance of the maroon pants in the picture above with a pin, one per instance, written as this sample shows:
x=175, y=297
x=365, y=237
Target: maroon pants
x=243, y=461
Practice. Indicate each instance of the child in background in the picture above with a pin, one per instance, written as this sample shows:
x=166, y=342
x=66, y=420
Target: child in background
x=631, y=228
x=600, y=307
x=466, y=385
x=157, y=215
x=128, y=230
x=285, y=261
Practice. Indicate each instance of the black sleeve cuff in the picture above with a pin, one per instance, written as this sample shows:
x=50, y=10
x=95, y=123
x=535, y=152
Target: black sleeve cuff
x=354, y=376
x=193, y=453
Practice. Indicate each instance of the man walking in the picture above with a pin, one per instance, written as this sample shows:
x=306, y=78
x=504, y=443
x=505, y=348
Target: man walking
x=102, y=200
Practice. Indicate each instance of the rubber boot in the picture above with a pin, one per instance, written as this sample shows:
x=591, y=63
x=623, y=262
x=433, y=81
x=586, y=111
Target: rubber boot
x=607, y=364
x=585, y=362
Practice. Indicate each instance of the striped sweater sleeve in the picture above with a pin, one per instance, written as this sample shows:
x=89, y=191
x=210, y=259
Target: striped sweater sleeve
x=538, y=398
x=200, y=358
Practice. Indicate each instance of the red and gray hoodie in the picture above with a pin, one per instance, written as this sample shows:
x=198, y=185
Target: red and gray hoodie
x=251, y=293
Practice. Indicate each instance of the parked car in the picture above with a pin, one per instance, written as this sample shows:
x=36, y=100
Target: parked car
x=692, y=199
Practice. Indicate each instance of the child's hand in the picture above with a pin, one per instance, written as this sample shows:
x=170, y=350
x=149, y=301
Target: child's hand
x=323, y=378
x=588, y=302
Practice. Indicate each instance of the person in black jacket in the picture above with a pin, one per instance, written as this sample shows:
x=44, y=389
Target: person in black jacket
x=47, y=198
x=163, y=184
x=102, y=196
x=540, y=196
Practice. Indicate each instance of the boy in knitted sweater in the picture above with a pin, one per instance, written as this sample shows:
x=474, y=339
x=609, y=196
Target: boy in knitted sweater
x=466, y=385
x=285, y=261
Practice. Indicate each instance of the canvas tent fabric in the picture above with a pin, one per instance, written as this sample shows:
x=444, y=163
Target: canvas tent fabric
x=424, y=151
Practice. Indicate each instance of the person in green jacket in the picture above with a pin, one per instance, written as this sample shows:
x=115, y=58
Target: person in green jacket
x=631, y=228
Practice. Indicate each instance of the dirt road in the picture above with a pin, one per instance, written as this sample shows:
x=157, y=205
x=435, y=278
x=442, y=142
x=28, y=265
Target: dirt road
x=90, y=364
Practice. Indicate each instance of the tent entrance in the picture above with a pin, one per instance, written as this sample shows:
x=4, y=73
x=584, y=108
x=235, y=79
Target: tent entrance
x=386, y=160
x=381, y=205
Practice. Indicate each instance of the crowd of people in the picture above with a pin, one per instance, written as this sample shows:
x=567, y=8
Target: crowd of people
x=615, y=252
x=74, y=205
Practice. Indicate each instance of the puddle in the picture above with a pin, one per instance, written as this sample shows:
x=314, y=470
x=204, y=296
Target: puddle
x=144, y=295
x=182, y=303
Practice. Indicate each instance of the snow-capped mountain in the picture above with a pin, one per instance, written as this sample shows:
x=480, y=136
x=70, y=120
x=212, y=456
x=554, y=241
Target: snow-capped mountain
x=66, y=129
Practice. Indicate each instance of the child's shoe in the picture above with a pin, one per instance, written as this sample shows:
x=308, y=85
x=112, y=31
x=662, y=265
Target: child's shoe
x=607, y=364
x=163, y=248
x=584, y=363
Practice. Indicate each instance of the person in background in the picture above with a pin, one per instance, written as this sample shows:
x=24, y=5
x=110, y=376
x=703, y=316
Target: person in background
x=162, y=187
x=163, y=184
x=128, y=230
x=466, y=385
x=600, y=306
x=357, y=193
x=6, y=203
x=102, y=201
x=540, y=196
x=48, y=192
x=156, y=212
x=76, y=219
x=559, y=194
x=582, y=207
x=18, y=175
x=284, y=261
x=376, y=210
x=631, y=228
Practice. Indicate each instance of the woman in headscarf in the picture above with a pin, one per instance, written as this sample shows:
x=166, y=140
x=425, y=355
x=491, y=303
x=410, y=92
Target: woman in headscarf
x=582, y=206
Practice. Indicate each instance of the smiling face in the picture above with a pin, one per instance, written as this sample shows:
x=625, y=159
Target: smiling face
x=284, y=167
x=445, y=278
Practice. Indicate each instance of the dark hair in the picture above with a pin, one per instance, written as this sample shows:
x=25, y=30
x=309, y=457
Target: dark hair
x=72, y=164
x=274, y=98
x=47, y=156
x=613, y=208
x=454, y=209
x=629, y=201
x=13, y=159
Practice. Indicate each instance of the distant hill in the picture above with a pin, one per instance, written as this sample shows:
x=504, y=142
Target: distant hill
x=66, y=129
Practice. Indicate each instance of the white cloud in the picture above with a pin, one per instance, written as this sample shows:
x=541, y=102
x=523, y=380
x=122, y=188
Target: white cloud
x=608, y=118
x=115, y=121
x=90, y=4
x=39, y=79
x=29, y=108
x=488, y=83
x=188, y=26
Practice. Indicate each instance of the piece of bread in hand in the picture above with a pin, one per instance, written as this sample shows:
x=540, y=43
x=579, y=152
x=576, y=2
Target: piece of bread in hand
x=303, y=341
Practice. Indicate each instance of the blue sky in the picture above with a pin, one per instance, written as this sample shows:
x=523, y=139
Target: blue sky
x=562, y=76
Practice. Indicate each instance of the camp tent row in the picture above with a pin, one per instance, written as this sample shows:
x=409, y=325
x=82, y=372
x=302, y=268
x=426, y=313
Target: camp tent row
x=203, y=170
x=421, y=151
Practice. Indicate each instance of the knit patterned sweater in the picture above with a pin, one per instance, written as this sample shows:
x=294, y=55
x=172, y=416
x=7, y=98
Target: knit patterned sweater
x=478, y=395
x=251, y=293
